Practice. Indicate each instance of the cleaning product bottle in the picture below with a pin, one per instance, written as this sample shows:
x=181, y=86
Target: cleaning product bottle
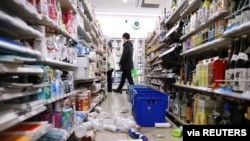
x=137, y=135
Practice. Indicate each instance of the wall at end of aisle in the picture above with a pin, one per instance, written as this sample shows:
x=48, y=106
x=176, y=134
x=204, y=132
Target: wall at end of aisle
x=113, y=26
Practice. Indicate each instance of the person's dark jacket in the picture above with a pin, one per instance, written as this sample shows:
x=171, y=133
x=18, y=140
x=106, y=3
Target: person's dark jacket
x=126, y=61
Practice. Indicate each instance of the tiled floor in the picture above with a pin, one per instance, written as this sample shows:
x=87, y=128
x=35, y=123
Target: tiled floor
x=113, y=104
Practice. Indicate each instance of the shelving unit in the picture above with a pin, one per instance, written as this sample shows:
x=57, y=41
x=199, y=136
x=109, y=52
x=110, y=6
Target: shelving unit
x=20, y=20
x=160, y=52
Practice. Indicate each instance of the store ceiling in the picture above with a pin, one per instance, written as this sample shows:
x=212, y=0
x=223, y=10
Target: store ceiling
x=130, y=6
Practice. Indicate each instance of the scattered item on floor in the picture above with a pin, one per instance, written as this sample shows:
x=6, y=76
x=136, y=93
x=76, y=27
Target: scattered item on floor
x=90, y=118
x=104, y=115
x=82, y=129
x=163, y=125
x=136, y=134
x=97, y=124
x=93, y=114
x=111, y=128
x=177, y=132
x=131, y=140
x=89, y=136
x=125, y=123
x=98, y=109
x=158, y=135
x=124, y=110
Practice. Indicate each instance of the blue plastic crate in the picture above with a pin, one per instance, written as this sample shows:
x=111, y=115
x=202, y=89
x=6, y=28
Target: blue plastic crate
x=130, y=90
x=150, y=108
x=141, y=91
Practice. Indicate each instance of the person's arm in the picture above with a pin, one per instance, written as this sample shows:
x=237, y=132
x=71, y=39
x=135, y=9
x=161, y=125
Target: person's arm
x=124, y=55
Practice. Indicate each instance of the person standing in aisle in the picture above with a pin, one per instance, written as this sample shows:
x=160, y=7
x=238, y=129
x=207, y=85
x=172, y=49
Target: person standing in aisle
x=126, y=62
x=111, y=66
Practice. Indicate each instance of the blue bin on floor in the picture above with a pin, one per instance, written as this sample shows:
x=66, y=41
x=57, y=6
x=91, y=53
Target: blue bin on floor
x=139, y=91
x=149, y=107
x=130, y=90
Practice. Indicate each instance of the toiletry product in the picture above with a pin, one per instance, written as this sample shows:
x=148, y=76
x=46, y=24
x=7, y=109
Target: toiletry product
x=136, y=134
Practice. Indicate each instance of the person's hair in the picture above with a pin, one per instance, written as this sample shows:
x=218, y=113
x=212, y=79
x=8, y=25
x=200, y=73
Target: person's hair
x=126, y=36
x=110, y=46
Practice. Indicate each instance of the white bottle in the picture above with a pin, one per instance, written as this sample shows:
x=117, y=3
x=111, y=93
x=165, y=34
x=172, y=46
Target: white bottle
x=162, y=125
x=111, y=128
x=81, y=130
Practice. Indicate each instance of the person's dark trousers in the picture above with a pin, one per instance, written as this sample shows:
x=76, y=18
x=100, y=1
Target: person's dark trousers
x=109, y=80
x=125, y=74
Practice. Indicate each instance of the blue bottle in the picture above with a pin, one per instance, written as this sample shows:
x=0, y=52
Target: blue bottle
x=136, y=134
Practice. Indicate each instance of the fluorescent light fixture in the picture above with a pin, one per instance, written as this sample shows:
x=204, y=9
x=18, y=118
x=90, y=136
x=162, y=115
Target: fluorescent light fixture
x=125, y=1
x=127, y=14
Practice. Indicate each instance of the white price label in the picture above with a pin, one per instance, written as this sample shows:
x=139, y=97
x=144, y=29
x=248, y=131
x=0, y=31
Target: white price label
x=243, y=56
x=234, y=57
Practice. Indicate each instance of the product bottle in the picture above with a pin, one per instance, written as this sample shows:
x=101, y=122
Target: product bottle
x=238, y=113
x=188, y=70
x=247, y=114
x=189, y=108
x=137, y=135
x=227, y=72
x=241, y=67
x=226, y=115
x=177, y=104
x=183, y=106
x=171, y=100
x=182, y=71
x=233, y=60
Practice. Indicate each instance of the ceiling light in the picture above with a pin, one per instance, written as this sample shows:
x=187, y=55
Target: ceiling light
x=125, y=1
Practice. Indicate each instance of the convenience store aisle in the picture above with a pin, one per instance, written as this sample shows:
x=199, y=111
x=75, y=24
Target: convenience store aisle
x=113, y=104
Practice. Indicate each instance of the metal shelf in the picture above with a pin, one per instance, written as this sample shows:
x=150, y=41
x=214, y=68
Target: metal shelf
x=86, y=10
x=172, y=30
x=22, y=118
x=152, y=39
x=216, y=91
x=193, y=5
x=16, y=28
x=211, y=20
x=58, y=64
x=238, y=31
x=53, y=99
x=5, y=46
x=213, y=45
x=178, y=119
x=67, y=5
x=19, y=69
x=167, y=52
x=157, y=84
x=8, y=96
x=29, y=14
x=83, y=33
x=87, y=25
x=162, y=45
x=177, y=13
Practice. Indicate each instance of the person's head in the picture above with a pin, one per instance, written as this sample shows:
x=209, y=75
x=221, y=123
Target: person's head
x=125, y=37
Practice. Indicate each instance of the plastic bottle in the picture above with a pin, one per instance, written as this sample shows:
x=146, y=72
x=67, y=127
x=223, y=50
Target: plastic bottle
x=163, y=125
x=98, y=109
x=111, y=128
x=137, y=135
x=82, y=129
